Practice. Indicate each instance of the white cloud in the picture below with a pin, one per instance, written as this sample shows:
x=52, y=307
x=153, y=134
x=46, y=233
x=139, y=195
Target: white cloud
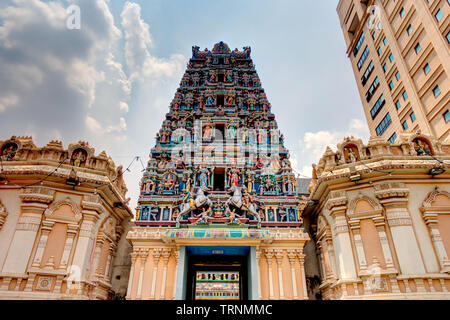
x=124, y=107
x=93, y=124
x=138, y=40
x=314, y=144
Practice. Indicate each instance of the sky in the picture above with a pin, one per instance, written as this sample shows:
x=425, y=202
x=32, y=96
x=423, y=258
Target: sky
x=110, y=82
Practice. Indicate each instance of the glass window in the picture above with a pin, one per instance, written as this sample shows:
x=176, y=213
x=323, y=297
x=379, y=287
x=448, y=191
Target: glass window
x=439, y=15
x=391, y=57
x=418, y=48
x=397, y=76
x=393, y=138
x=391, y=85
x=377, y=107
x=363, y=57
x=384, y=124
x=405, y=96
x=379, y=51
x=413, y=117
x=385, y=68
x=427, y=69
x=402, y=12
x=397, y=104
x=405, y=125
x=447, y=116
x=409, y=30
x=385, y=41
x=358, y=44
x=436, y=91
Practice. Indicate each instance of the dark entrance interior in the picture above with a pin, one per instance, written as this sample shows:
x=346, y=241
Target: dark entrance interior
x=217, y=277
x=219, y=179
x=220, y=100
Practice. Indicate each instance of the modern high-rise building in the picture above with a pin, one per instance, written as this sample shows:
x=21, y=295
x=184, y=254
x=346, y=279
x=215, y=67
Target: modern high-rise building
x=400, y=54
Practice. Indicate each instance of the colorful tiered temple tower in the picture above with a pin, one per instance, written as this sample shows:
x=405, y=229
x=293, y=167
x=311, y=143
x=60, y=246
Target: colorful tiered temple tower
x=219, y=202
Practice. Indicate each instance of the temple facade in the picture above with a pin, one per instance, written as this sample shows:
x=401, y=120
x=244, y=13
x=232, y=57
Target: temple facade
x=379, y=218
x=63, y=221
x=218, y=215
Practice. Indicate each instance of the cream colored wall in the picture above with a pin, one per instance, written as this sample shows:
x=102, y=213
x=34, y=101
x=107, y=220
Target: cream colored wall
x=423, y=267
x=9, y=198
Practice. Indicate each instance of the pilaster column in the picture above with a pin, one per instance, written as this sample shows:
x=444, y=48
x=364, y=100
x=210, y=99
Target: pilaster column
x=269, y=256
x=176, y=255
x=279, y=257
x=143, y=254
x=292, y=255
x=45, y=231
x=258, y=257
x=394, y=197
x=108, y=269
x=338, y=207
x=86, y=240
x=96, y=272
x=301, y=259
x=156, y=254
x=359, y=248
x=165, y=258
x=71, y=233
x=331, y=256
x=130, y=280
x=381, y=228
x=27, y=227
x=431, y=219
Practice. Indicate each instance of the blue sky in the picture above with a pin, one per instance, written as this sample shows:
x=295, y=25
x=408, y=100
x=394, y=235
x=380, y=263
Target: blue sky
x=111, y=82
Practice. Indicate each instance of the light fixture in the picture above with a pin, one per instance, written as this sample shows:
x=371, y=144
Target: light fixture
x=72, y=181
x=436, y=171
x=355, y=178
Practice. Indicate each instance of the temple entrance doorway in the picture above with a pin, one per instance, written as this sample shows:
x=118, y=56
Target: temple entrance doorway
x=219, y=179
x=217, y=273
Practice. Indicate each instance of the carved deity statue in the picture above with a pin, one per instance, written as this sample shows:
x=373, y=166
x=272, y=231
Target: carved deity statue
x=203, y=177
x=234, y=176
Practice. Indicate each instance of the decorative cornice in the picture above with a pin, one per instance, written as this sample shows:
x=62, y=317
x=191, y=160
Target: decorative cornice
x=37, y=194
x=389, y=190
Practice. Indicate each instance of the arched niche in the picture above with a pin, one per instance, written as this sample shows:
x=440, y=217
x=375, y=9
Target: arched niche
x=58, y=232
x=8, y=150
x=436, y=214
x=369, y=233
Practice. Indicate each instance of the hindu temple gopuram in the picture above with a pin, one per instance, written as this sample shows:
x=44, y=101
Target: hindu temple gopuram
x=218, y=215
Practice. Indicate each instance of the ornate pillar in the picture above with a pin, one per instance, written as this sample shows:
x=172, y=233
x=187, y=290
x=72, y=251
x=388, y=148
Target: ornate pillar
x=431, y=219
x=279, y=257
x=356, y=228
x=258, y=257
x=143, y=254
x=134, y=256
x=45, y=231
x=91, y=210
x=292, y=255
x=394, y=197
x=156, y=254
x=269, y=256
x=96, y=272
x=176, y=255
x=165, y=257
x=381, y=228
x=108, y=268
x=71, y=233
x=301, y=259
x=337, y=204
x=35, y=201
